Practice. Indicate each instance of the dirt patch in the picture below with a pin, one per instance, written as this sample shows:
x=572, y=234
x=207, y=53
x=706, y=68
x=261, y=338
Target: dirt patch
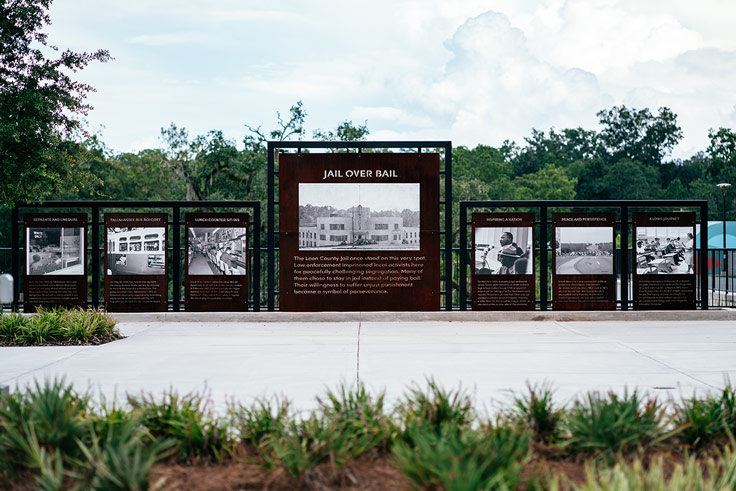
x=92, y=342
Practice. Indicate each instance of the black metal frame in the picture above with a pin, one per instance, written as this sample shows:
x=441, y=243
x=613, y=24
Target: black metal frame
x=624, y=207
x=176, y=223
x=273, y=146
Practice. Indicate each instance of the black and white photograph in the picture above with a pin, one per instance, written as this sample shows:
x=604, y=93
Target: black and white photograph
x=503, y=250
x=55, y=251
x=584, y=250
x=217, y=251
x=136, y=251
x=664, y=250
x=366, y=216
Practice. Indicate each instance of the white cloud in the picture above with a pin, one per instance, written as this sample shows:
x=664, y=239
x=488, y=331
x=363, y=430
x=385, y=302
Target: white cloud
x=173, y=38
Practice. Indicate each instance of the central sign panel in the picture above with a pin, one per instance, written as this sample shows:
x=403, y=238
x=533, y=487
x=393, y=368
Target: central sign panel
x=359, y=232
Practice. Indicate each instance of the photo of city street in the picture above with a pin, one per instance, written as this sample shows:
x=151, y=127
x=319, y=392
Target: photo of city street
x=584, y=250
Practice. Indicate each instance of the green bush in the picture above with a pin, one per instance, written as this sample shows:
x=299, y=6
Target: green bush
x=264, y=417
x=434, y=408
x=57, y=326
x=187, y=420
x=347, y=424
x=609, y=425
x=703, y=421
x=37, y=424
x=536, y=410
x=717, y=474
x=121, y=456
x=462, y=458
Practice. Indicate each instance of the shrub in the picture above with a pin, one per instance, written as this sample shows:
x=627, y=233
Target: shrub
x=54, y=326
x=434, y=408
x=716, y=474
x=121, y=457
x=348, y=424
x=264, y=417
x=187, y=420
x=462, y=458
x=39, y=423
x=536, y=410
x=607, y=425
x=703, y=421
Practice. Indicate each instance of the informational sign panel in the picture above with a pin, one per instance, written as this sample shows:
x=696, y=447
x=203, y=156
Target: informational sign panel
x=664, y=263
x=216, y=273
x=359, y=232
x=136, y=262
x=583, y=264
x=56, y=260
x=503, y=252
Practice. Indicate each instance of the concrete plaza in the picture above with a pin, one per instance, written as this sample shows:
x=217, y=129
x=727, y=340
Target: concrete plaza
x=299, y=356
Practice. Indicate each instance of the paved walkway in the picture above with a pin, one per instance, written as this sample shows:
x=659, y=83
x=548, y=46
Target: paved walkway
x=299, y=359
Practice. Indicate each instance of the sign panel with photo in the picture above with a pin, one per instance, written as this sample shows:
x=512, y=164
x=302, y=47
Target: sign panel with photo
x=359, y=231
x=583, y=262
x=664, y=260
x=216, y=273
x=55, y=260
x=503, y=252
x=136, y=262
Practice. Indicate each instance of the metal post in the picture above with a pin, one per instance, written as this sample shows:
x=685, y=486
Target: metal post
x=463, y=279
x=448, y=226
x=257, y=257
x=15, y=258
x=703, y=256
x=624, y=257
x=543, y=257
x=271, y=231
x=95, y=256
x=176, y=258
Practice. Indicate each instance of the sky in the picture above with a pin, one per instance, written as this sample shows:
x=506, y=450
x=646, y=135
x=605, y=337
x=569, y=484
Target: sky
x=469, y=71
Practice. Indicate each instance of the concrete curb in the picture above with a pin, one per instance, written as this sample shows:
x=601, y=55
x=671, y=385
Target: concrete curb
x=455, y=316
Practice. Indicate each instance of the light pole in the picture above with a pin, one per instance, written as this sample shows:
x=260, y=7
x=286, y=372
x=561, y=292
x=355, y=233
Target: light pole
x=723, y=187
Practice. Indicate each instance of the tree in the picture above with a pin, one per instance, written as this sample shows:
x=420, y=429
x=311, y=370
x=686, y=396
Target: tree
x=639, y=136
x=40, y=106
x=206, y=164
x=345, y=132
x=550, y=182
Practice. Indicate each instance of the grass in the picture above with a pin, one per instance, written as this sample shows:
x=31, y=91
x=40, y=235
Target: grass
x=57, y=326
x=52, y=437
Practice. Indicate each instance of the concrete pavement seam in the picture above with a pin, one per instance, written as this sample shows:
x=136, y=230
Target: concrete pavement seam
x=84, y=348
x=656, y=360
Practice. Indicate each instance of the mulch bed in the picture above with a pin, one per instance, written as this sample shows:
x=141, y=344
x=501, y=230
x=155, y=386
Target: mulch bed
x=92, y=342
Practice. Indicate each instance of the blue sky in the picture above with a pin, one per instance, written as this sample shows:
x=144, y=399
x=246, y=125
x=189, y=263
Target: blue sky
x=468, y=71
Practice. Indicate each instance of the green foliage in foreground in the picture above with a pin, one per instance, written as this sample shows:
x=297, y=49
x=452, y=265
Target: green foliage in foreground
x=434, y=436
x=57, y=326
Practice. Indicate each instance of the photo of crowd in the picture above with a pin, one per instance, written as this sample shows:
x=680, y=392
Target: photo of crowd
x=503, y=250
x=55, y=250
x=664, y=250
x=217, y=251
x=584, y=250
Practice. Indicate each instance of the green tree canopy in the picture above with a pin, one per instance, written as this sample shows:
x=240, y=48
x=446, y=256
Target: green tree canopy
x=40, y=105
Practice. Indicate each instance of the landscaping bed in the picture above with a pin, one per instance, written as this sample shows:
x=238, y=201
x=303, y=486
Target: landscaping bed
x=52, y=437
x=58, y=327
